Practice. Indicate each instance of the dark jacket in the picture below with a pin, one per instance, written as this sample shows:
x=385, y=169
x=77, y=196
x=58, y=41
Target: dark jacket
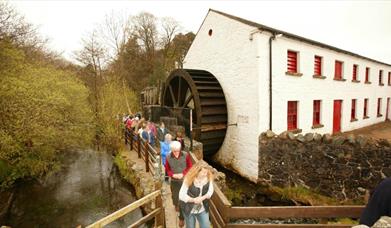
x=182, y=141
x=379, y=204
x=161, y=134
x=194, y=192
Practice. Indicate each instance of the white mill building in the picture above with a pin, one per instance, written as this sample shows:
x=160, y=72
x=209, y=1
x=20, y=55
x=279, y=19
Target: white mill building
x=314, y=87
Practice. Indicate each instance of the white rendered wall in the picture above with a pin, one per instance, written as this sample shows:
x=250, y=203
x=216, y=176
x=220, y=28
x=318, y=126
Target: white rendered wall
x=305, y=89
x=232, y=58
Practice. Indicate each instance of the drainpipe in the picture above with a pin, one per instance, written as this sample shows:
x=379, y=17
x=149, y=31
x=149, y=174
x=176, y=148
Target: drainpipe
x=272, y=37
x=270, y=80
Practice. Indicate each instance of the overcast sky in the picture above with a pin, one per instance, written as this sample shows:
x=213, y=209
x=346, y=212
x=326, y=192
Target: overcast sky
x=363, y=27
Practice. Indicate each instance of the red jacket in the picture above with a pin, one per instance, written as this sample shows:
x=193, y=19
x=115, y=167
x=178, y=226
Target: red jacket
x=129, y=123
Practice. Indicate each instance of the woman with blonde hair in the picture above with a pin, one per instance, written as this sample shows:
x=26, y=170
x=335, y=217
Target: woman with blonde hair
x=194, y=195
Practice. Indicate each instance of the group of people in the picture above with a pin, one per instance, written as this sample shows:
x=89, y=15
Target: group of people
x=191, y=185
x=147, y=130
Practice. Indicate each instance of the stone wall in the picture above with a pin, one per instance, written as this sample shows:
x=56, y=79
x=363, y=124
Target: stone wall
x=341, y=167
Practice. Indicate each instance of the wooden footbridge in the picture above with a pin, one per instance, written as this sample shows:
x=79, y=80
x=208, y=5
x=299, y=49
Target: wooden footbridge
x=222, y=212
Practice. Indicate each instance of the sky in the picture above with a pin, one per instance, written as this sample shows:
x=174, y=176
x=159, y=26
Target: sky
x=362, y=27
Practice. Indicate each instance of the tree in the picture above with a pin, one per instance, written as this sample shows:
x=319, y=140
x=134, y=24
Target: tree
x=115, y=30
x=144, y=28
x=43, y=111
x=170, y=28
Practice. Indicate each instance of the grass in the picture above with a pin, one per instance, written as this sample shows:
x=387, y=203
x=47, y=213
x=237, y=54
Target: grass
x=310, y=197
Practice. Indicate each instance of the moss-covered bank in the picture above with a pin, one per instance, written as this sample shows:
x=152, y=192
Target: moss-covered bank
x=133, y=171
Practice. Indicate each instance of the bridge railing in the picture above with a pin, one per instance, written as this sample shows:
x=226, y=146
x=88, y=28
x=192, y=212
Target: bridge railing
x=145, y=151
x=223, y=214
x=157, y=213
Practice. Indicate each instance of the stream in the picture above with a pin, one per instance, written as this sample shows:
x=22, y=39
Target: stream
x=87, y=188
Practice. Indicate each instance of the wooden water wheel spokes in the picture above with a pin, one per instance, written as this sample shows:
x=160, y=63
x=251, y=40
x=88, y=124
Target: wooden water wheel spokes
x=199, y=90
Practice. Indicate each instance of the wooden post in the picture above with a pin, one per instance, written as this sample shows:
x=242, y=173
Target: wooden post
x=139, y=146
x=146, y=156
x=131, y=140
x=159, y=219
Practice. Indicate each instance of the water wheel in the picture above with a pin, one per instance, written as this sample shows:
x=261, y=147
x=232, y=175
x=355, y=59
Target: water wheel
x=199, y=90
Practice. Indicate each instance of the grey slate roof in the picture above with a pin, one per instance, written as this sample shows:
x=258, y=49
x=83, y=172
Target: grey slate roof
x=293, y=36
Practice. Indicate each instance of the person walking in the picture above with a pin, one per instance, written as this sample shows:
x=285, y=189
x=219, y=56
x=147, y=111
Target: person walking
x=128, y=128
x=164, y=151
x=165, y=148
x=153, y=128
x=161, y=132
x=179, y=138
x=194, y=195
x=177, y=165
x=148, y=136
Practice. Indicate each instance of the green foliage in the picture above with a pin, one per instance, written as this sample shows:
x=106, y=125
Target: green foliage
x=43, y=110
x=112, y=106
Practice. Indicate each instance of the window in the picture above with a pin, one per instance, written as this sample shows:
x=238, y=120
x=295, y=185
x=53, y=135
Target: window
x=338, y=70
x=292, y=115
x=318, y=65
x=353, y=111
x=379, y=107
x=365, y=108
x=381, y=77
x=355, y=68
x=292, y=62
x=389, y=78
x=367, y=75
x=316, y=114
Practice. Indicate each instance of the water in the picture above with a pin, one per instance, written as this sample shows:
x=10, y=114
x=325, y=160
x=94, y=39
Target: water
x=88, y=188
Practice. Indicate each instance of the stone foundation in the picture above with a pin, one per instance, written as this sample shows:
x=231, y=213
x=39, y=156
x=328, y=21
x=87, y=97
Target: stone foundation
x=341, y=167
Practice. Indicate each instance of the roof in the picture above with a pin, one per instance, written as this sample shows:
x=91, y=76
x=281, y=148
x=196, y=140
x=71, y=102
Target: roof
x=293, y=36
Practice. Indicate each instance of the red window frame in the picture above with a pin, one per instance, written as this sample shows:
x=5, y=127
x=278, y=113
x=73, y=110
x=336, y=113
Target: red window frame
x=338, y=69
x=378, y=106
x=353, y=110
x=318, y=65
x=380, y=77
x=316, y=113
x=367, y=74
x=292, y=61
x=389, y=78
x=366, y=107
x=355, y=68
x=292, y=115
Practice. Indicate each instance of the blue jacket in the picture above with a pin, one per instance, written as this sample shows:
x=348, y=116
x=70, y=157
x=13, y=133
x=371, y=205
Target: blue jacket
x=149, y=137
x=164, y=151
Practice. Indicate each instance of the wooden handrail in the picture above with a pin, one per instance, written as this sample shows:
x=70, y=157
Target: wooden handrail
x=146, y=218
x=139, y=146
x=121, y=212
x=295, y=212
